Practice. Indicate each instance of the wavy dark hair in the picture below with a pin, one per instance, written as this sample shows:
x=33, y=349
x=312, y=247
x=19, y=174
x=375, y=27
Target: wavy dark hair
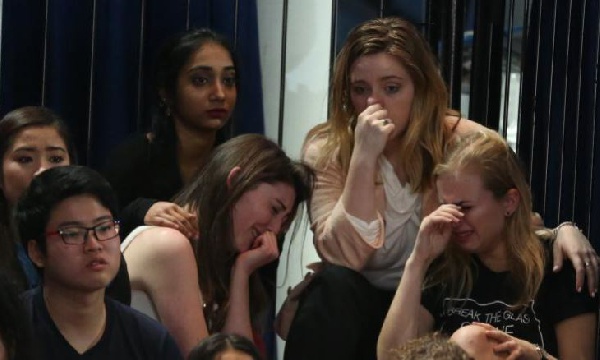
x=209, y=195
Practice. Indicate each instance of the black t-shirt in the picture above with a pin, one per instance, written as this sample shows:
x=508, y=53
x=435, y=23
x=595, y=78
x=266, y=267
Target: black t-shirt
x=129, y=334
x=492, y=294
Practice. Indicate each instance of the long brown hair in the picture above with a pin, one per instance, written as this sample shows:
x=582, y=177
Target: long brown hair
x=488, y=154
x=260, y=161
x=426, y=133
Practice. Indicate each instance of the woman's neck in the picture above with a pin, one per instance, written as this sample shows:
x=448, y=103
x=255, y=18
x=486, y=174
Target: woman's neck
x=79, y=316
x=394, y=157
x=193, y=149
x=496, y=259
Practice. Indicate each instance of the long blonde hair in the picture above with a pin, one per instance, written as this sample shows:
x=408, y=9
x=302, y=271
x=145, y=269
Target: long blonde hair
x=487, y=153
x=425, y=135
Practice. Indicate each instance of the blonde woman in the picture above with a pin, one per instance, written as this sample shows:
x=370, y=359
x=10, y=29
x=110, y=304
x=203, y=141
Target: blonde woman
x=478, y=260
x=374, y=160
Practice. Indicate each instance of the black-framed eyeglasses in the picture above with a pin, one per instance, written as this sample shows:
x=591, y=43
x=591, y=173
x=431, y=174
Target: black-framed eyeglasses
x=77, y=235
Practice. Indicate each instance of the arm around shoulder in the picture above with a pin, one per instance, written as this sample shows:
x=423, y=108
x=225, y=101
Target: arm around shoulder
x=464, y=126
x=162, y=263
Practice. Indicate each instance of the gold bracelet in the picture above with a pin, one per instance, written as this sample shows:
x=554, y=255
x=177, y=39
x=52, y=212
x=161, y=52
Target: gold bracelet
x=564, y=223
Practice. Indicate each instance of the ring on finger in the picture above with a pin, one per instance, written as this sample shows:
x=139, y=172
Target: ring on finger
x=586, y=264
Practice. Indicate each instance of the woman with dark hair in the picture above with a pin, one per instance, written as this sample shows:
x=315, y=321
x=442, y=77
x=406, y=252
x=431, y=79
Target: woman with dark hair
x=15, y=333
x=246, y=196
x=32, y=139
x=195, y=90
x=225, y=346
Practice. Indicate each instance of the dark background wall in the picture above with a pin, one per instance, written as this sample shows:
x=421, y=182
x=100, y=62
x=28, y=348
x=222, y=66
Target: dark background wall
x=91, y=61
x=554, y=46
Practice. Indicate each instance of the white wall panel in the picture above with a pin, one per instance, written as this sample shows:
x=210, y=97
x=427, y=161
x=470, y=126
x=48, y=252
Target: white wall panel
x=307, y=47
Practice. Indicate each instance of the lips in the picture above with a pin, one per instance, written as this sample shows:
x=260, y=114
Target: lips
x=218, y=113
x=97, y=264
x=462, y=235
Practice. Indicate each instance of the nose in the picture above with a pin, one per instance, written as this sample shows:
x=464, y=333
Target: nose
x=457, y=223
x=44, y=165
x=276, y=225
x=375, y=98
x=218, y=92
x=90, y=241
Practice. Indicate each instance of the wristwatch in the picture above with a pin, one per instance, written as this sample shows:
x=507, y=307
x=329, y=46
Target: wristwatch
x=543, y=354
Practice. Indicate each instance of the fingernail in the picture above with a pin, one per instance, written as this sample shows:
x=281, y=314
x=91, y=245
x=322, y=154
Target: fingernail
x=594, y=293
x=579, y=289
x=555, y=268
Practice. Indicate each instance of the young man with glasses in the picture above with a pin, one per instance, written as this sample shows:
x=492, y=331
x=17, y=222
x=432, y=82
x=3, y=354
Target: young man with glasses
x=66, y=221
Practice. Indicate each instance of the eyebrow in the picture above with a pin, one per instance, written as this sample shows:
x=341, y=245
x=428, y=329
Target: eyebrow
x=392, y=77
x=460, y=204
x=33, y=148
x=79, y=223
x=209, y=68
x=384, y=78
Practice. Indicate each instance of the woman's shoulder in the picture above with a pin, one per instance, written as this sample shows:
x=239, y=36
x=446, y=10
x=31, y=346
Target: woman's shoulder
x=159, y=244
x=315, y=144
x=135, y=141
x=129, y=152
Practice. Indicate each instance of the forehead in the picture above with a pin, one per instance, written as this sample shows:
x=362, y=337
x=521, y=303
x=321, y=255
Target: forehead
x=81, y=208
x=281, y=191
x=231, y=354
x=460, y=185
x=33, y=135
x=377, y=65
x=212, y=55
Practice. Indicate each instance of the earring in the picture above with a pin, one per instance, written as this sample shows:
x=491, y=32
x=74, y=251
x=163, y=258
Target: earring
x=165, y=107
x=346, y=103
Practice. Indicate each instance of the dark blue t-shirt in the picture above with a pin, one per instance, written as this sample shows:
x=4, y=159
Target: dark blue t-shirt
x=129, y=334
